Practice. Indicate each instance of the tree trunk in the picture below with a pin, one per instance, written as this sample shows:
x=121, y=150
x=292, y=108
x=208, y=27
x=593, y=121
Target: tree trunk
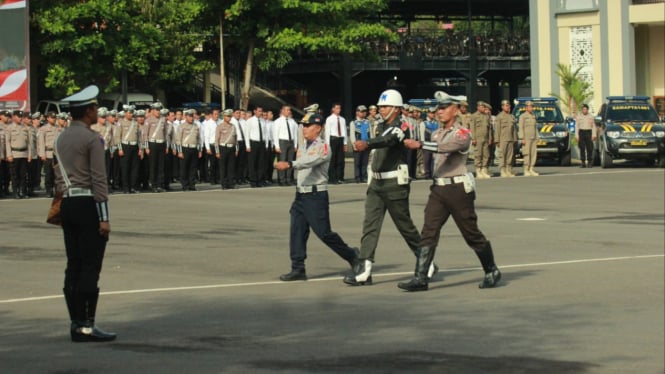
x=247, y=80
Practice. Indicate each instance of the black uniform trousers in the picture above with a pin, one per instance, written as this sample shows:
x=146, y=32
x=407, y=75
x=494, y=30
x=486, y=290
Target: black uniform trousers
x=107, y=164
x=288, y=153
x=428, y=158
x=227, y=163
x=311, y=210
x=452, y=200
x=188, y=166
x=129, y=165
x=213, y=167
x=49, y=176
x=115, y=171
x=34, y=174
x=170, y=161
x=256, y=160
x=269, y=162
x=336, y=168
x=241, y=163
x=4, y=178
x=412, y=162
x=387, y=195
x=157, y=157
x=586, y=146
x=85, y=247
x=19, y=172
x=144, y=171
x=360, y=165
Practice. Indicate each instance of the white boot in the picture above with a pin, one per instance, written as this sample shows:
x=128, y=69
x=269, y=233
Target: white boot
x=533, y=173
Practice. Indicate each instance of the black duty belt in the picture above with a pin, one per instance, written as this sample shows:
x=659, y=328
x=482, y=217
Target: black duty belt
x=19, y=149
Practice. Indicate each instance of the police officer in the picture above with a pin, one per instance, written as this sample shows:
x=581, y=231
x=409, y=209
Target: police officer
x=482, y=138
x=505, y=137
x=310, y=209
x=111, y=121
x=388, y=187
x=170, y=158
x=156, y=136
x=45, y=143
x=81, y=177
x=130, y=149
x=375, y=121
x=427, y=129
x=226, y=149
x=144, y=163
x=528, y=133
x=18, y=149
x=285, y=135
x=585, y=133
x=359, y=129
x=105, y=131
x=35, y=168
x=452, y=194
x=241, y=159
x=189, y=143
x=4, y=165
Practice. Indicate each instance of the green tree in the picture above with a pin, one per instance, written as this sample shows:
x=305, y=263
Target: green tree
x=80, y=42
x=273, y=29
x=576, y=90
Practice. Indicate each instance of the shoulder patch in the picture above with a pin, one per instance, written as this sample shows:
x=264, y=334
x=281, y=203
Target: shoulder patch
x=406, y=126
x=325, y=149
x=462, y=133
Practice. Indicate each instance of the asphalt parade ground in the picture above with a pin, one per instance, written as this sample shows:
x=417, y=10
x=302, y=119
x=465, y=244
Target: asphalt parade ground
x=190, y=284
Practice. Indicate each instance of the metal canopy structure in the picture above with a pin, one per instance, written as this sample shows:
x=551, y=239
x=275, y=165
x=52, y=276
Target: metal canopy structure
x=456, y=9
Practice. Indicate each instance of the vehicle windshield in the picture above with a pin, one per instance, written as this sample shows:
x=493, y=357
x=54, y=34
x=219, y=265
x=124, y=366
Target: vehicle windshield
x=635, y=112
x=543, y=112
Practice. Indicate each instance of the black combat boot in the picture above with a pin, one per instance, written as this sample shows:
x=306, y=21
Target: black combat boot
x=85, y=329
x=70, y=300
x=362, y=274
x=421, y=276
x=492, y=273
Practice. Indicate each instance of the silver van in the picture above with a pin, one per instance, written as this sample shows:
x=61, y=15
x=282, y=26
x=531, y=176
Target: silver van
x=114, y=100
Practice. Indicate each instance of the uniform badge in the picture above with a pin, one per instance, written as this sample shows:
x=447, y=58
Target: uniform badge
x=462, y=133
x=325, y=149
x=406, y=126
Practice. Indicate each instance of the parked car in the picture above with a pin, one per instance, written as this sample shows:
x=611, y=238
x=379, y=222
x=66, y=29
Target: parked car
x=629, y=128
x=554, y=141
x=45, y=106
x=115, y=100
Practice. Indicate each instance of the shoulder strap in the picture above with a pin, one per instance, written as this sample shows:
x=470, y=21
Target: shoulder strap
x=62, y=168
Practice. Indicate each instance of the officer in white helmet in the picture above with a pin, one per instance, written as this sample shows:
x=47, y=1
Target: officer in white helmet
x=388, y=187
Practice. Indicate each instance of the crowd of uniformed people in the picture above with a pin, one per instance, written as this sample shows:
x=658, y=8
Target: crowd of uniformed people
x=147, y=150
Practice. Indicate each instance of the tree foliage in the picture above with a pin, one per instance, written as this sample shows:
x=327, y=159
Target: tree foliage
x=576, y=90
x=80, y=42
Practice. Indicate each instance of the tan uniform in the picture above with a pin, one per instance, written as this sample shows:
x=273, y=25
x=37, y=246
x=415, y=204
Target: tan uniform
x=18, y=141
x=45, y=140
x=528, y=132
x=225, y=137
x=505, y=135
x=482, y=134
x=128, y=133
x=105, y=131
x=585, y=122
x=465, y=120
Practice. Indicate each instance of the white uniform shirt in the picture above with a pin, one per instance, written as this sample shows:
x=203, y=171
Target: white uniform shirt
x=208, y=128
x=252, y=132
x=281, y=131
x=332, y=130
x=269, y=131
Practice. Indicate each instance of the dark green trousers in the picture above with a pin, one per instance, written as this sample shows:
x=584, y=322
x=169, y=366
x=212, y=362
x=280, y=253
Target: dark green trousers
x=387, y=195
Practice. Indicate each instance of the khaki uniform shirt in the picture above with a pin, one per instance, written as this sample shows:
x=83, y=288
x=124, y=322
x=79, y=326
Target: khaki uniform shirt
x=312, y=161
x=156, y=129
x=451, y=147
x=81, y=152
x=188, y=136
x=45, y=140
x=480, y=127
x=225, y=136
x=2, y=142
x=528, y=128
x=18, y=142
x=128, y=133
x=585, y=122
x=504, y=130
x=105, y=131
x=465, y=120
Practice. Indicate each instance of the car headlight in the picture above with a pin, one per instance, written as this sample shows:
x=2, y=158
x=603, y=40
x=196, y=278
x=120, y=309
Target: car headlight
x=561, y=134
x=660, y=134
x=613, y=134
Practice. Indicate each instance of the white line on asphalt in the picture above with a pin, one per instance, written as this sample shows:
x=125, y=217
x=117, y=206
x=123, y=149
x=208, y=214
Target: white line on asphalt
x=228, y=285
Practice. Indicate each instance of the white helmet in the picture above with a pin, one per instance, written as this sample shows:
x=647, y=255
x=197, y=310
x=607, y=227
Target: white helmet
x=390, y=98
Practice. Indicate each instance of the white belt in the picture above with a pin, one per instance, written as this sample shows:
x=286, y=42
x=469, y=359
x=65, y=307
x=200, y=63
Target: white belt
x=449, y=180
x=73, y=192
x=310, y=189
x=227, y=145
x=130, y=143
x=189, y=146
x=157, y=141
x=384, y=175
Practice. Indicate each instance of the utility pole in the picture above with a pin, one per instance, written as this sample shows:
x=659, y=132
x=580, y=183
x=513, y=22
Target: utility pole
x=222, y=85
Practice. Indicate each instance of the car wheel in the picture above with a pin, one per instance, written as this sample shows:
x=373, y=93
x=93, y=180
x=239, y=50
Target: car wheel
x=660, y=162
x=605, y=159
x=564, y=158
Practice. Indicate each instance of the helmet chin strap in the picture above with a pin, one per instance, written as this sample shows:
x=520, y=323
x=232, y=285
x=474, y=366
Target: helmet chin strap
x=392, y=110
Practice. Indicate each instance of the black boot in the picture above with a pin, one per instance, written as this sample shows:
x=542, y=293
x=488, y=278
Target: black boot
x=492, y=273
x=85, y=329
x=70, y=299
x=420, y=279
x=362, y=274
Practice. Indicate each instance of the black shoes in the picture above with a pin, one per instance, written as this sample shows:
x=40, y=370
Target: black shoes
x=491, y=279
x=294, y=275
x=90, y=333
x=362, y=274
x=415, y=284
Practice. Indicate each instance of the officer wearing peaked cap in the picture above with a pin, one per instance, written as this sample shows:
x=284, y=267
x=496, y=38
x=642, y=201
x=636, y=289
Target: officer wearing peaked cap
x=359, y=129
x=144, y=167
x=452, y=194
x=105, y=131
x=189, y=144
x=505, y=137
x=81, y=178
x=310, y=209
x=226, y=150
x=35, y=167
x=155, y=140
x=45, y=143
x=528, y=133
x=127, y=138
x=18, y=150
